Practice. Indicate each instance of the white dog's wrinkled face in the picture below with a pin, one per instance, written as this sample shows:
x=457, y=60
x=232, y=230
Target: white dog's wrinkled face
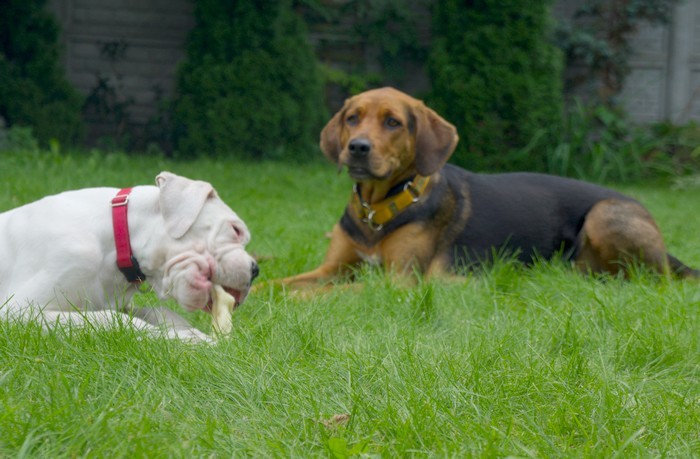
x=209, y=244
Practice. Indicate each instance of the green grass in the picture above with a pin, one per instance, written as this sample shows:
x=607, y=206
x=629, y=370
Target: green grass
x=520, y=362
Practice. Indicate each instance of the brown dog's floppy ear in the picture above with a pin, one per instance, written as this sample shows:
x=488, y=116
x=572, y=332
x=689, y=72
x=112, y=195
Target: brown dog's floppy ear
x=330, y=137
x=436, y=139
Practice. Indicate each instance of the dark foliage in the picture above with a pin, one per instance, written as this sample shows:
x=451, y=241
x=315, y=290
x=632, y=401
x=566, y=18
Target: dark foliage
x=596, y=42
x=33, y=89
x=497, y=77
x=250, y=85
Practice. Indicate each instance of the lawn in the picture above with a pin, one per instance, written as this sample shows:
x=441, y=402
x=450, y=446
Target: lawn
x=538, y=362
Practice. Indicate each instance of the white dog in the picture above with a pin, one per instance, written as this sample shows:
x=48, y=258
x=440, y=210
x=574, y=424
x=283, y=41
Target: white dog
x=58, y=255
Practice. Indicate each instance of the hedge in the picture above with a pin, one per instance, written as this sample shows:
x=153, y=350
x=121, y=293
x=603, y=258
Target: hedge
x=33, y=90
x=497, y=77
x=250, y=85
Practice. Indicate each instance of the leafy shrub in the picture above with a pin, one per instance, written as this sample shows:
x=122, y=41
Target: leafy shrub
x=497, y=77
x=33, y=90
x=250, y=84
x=600, y=144
x=365, y=44
x=17, y=138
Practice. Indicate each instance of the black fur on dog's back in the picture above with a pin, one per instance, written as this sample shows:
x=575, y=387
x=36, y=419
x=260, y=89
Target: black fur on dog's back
x=525, y=214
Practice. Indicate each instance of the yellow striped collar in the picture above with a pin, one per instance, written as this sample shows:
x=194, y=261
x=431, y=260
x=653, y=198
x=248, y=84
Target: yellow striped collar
x=379, y=214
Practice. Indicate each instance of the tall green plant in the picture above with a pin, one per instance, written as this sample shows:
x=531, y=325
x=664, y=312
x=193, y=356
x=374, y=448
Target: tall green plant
x=497, y=77
x=370, y=43
x=599, y=143
x=250, y=85
x=33, y=89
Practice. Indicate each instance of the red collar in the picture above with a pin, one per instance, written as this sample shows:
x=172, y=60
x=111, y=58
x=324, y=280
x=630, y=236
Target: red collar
x=125, y=258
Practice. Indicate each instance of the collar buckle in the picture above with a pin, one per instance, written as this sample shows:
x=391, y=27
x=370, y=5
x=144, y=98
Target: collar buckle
x=413, y=191
x=369, y=218
x=120, y=200
x=367, y=214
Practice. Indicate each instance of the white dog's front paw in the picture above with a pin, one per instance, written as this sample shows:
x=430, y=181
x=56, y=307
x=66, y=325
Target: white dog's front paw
x=190, y=335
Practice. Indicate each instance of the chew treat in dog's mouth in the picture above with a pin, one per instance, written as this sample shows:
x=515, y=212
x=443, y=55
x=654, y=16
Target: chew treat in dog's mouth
x=221, y=309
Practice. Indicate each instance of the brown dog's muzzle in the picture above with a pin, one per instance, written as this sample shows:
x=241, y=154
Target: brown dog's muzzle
x=360, y=148
x=359, y=159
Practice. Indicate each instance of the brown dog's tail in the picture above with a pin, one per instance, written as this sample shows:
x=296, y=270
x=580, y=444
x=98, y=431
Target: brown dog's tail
x=680, y=269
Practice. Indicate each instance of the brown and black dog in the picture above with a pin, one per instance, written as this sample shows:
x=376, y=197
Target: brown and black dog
x=414, y=214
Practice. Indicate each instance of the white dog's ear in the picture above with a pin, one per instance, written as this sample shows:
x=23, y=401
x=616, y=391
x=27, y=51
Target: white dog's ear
x=181, y=201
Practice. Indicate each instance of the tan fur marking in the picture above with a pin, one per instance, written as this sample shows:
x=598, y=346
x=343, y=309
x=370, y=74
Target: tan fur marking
x=617, y=233
x=409, y=248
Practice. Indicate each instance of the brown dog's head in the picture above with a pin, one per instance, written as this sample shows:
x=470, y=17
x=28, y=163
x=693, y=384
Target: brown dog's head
x=383, y=133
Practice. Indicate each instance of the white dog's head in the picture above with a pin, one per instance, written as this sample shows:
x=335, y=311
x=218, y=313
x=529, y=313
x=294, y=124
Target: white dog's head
x=207, y=247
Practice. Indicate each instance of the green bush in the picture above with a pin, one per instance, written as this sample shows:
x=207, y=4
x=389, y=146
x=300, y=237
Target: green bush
x=497, y=77
x=250, y=85
x=601, y=144
x=33, y=90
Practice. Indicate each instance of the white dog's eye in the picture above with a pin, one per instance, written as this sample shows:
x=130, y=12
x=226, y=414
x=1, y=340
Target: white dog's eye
x=239, y=232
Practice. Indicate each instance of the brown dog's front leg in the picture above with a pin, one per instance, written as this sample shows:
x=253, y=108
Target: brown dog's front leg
x=409, y=252
x=341, y=256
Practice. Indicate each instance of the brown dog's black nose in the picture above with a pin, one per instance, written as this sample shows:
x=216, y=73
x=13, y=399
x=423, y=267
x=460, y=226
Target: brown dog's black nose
x=359, y=147
x=254, y=271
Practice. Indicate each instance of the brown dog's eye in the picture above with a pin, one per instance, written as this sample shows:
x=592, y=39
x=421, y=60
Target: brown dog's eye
x=352, y=119
x=392, y=122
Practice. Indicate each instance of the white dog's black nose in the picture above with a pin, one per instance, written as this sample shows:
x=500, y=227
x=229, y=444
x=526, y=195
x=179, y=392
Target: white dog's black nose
x=254, y=271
